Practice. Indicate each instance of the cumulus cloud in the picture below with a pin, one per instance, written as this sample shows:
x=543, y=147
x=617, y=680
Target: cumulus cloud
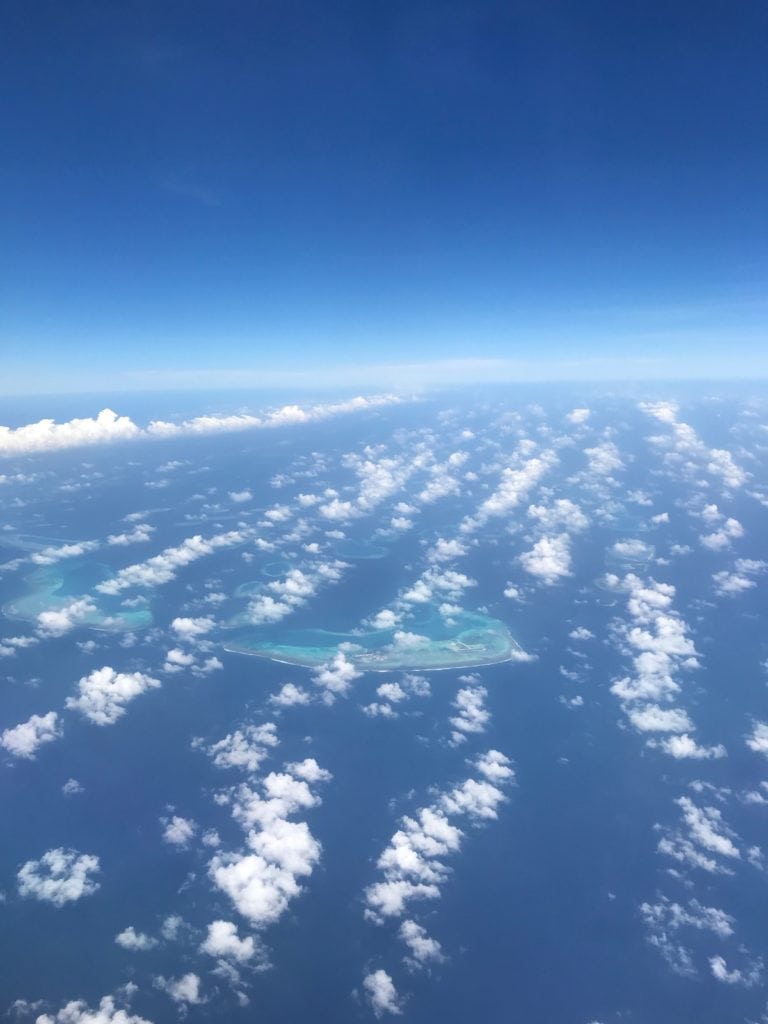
x=549, y=559
x=224, y=942
x=412, y=864
x=381, y=993
x=60, y=876
x=23, y=740
x=758, y=740
x=58, y=621
x=135, y=941
x=262, y=881
x=162, y=568
x=104, y=694
x=78, y=1012
x=179, y=831
x=422, y=949
x=336, y=676
x=704, y=842
x=289, y=695
x=244, y=748
x=46, y=435
x=191, y=629
x=471, y=715
x=184, y=990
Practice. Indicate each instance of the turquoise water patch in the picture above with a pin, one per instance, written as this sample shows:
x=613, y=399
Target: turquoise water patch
x=469, y=640
x=51, y=588
x=358, y=549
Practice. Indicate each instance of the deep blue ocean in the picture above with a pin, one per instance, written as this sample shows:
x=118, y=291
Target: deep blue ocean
x=539, y=915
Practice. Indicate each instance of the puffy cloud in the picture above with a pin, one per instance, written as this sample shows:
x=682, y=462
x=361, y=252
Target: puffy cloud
x=50, y=555
x=581, y=633
x=422, y=949
x=290, y=695
x=562, y=513
x=140, y=534
x=191, y=629
x=178, y=831
x=60, y=876
x=261, y=883
x=240, y=496
x=336, y=676
x=78, y=1012
x=707, y=842
x=515, y=485
x=135, y=941
x=244, y=748
x=652, y=718
x=381, y=993
x=412, y=864
x=184, y=990
x=604, y=458
x=721, y=538
x=549, y=559
x=758, y=741
x=685, y=747
x=23, y=740
x=446, y=550
x=57, y=622
x=47, y=435
x=223, y=941
x=748, y=978
x=577, y=416
x=162, y=568
x=471, y=717
x=103, y=695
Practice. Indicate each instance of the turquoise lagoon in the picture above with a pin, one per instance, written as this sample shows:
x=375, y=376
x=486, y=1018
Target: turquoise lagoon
x=51, y=588
x=468, y=640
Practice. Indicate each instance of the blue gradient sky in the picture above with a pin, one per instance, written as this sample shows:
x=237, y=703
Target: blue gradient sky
x=292, y=191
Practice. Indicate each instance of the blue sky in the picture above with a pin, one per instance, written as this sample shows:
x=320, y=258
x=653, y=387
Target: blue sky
x=286, y=192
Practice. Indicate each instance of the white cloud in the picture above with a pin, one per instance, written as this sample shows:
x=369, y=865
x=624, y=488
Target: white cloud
x=50, y=555
x=289, y=695
x=748, y=978
x=240, y=496
x=139, y=535
x=47, y=435
x=261, y=883
x=549, y=559
x=135, y=941
x=57, y=622
x=60, y=876
x=422, y=949
x=758, y=741
x=336, y=676
x=472, y=716
x=411, y=864
x=191, y=629
x=179, y=831
x=578, y=416
x=223, y=941
x=562, y=513
x=23, y=740
x=104, y=693
x=245, y=748
x=184, y=990
x=162, y=568
x=682, y=747
x=652, y=718
x=381, y=993
x=78, y=1012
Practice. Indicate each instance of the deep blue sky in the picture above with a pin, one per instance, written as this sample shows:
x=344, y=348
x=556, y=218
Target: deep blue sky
x=247, y=187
